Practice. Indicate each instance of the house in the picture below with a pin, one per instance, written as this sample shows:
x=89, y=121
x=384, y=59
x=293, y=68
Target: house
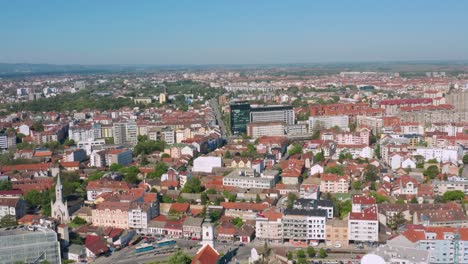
x=192, y=227
x=206, y=255
x=95, y=246
x=332, y=183
x=269, y=226
x=316, y=169
x=15, y=207
x=75, y=252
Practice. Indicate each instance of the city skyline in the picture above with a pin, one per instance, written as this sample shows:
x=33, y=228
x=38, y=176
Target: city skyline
x=208, y=32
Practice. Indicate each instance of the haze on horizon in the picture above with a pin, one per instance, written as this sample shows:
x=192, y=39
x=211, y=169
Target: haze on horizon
x=231, y=32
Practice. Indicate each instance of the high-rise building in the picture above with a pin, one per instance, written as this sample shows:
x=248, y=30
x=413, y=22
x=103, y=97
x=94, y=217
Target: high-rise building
x=240, y=116
x=25, y=244
x=273, y=113
x=125, y=133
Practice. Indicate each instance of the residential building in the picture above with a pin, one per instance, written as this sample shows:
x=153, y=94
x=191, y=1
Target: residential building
x=192, y=227
x=119, y=156
x=249, y=178
x=337, y=233
x=269, y=226
x=308, y=204
x=327, y=122
x=256, y=130
x=125, y=133
x=304, y=225
x=332, y=183
x=363, y=223
x=13, y=206
x=272, y=113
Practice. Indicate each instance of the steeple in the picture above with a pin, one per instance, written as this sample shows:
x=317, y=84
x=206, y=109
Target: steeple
x=58, y=189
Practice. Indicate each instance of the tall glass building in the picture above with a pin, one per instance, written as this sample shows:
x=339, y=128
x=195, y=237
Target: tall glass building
x=25, y=244
x=240, y=117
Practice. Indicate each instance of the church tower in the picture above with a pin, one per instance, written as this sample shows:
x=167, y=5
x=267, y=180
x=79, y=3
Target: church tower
x=59, y=209
x=207, y=233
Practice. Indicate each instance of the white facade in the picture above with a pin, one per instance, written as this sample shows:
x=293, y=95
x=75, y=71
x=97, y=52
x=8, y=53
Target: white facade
x=206, y=164
x=342, y=121
x=439, y=154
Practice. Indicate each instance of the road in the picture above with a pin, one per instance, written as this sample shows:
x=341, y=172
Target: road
x=219, y=119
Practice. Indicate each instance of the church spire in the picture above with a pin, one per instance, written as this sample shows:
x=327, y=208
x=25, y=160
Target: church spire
x=58, y=189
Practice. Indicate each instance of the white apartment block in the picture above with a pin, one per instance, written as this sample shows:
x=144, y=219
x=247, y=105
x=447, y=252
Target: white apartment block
x=374, y=123
x=363, y=222
x=256, y=130
x=249, y=178
x=284, y=114
x=318, y=122
x=269, y=229
x=304, y=225
x=440, y=154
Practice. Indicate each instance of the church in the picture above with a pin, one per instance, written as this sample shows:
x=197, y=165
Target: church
x=59, y=208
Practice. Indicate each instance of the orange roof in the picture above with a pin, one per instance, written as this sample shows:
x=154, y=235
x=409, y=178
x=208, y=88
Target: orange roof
x=70, y=164
x=43, y=153
x=180, y=207
x=244, y=206
x=206, y=255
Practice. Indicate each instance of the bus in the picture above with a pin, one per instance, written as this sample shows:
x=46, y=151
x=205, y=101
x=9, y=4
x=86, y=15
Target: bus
x=166, y=242
x=144, y=247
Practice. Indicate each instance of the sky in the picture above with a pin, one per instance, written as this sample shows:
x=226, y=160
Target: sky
x=231, y=32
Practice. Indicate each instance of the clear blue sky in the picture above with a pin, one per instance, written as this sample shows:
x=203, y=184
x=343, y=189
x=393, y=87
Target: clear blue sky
x=240, y=31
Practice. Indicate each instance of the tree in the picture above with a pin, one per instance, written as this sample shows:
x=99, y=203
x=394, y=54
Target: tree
x=179, y=258
x=295, y=149
x=377, y=151
x=238, y=222
x=292, y=197
x=290, y=255
x=339, y=170
x=396, y=221
x=5, y=185
x=8, y=220
x=316, y=134
x=431, y=171
x=159, y=170
x=356, y=185
x=300, y=254
x=227, y=155
x=322, y=253
x=371, y=173
x=193, y=185
x=311, y=252
x=319, y=157
x=454, y=196
x=69, y=142
x=414, y=200
x=257, y=199
x=78, y=221
x=115, y=167
x=378, y=197
x=465, y=159
x=215, y=215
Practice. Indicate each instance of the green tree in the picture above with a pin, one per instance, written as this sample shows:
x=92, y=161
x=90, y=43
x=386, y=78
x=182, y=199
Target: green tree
x=5, y=185
x=215, y=215
x=396, y=221
x=431, y=172
x=319, y=157
x=414, y=200
x=454, y=196
x=316, y=134
x=356, y=185
x=465, y=159
x=193, y=185
x=78, y=221
x=339, y=170
x=8, y=220
x=159, y=170
x=292, y=197
x=179, y=257
x=238, y=222
x=227, y=155
x=116, y=167
x=371, y=173
x=311, y=252
x=322, y=253
x=295, y=149
x=377, y=151
x=290, y=255
x=300, y=254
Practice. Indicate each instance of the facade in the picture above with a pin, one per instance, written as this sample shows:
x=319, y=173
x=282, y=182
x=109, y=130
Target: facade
x=249, y=178
x=363, y=222
x=125, y=133
x=29, y=245
x=274, y=113
x=269, y=226
x=304, y=225
x=140, y=214
x=309, y=204
x=192, y=227
x=240, y=117
x=332, y=183
x=12, y=206
x=256, y=130
x=59, y=209
x=110, y=213
x=440, y=154
x=206, y=164
x=320, y=122
x=119, y=156
x=337, y=233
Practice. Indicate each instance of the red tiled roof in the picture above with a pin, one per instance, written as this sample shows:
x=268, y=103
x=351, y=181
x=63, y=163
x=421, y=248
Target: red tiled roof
x=244, y=206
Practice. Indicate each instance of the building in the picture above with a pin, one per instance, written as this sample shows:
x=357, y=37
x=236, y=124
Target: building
x=206, y=164
x=440, y=154
x=337, y=233
x=327, y=122
x=119, y=156
x=308, y=204
x=140, y=214
x=192, y=228
x=269, y=226
x=273, y=113
x=363, y=222
x=59, y=208
x=111, y=213
x=374, y=123
x=27, y=244
x=332, y=183
x=13, y=206
x=304, y=225
x=249, y=178
x=125, y=133
x=256, y=130
x=240, y=117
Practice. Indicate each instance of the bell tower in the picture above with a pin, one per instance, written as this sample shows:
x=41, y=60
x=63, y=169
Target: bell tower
x=207, y=232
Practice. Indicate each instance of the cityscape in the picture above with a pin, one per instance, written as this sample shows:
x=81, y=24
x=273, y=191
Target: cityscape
x=162, y=150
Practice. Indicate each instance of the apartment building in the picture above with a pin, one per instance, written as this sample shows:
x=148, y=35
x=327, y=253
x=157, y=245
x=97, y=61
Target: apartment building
x=249, y=178
x=125, y=133
x=309, y=204
x=256, y=130
x=363, y=223
x=192, y=227
x=337, y=233
x=304, y=225
x=269, y=226
x=440, y=187
x=440, y=154
x=327, y=122
x=273, y=113
x=374, y=123
x=332, y=183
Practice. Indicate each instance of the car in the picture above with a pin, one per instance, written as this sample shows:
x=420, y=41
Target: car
x=328, y=250
x=358, y=257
